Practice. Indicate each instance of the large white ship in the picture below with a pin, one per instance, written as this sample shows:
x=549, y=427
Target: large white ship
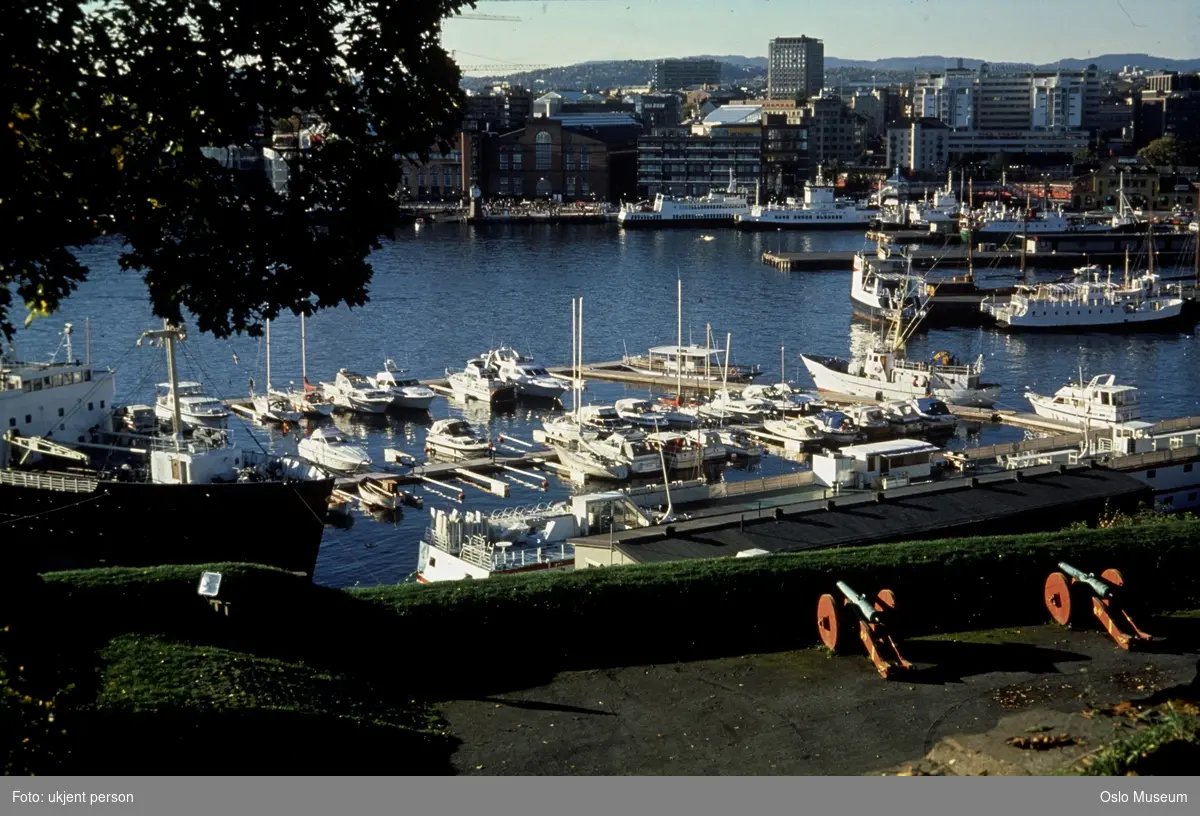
x=820, y=209
x=1097, y=403
x=1094, y=305
x=715, y=209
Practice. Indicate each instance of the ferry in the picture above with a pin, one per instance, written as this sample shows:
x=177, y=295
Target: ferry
x=713, y=210
x=819, y=210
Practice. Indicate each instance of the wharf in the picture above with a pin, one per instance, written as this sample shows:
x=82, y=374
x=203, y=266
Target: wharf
x=956, y=258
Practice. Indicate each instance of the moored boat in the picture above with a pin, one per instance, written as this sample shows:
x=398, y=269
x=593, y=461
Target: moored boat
x=1100, y=402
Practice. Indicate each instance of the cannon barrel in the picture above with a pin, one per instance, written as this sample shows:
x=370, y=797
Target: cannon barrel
x=1102, y=588
x=866, y=607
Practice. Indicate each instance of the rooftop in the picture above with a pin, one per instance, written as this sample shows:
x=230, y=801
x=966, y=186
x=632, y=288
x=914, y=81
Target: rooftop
x=892, y=447
x=735, y=115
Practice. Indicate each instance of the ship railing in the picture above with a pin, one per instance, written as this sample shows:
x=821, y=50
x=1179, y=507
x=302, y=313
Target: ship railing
x=46, y=481
x=960, y=370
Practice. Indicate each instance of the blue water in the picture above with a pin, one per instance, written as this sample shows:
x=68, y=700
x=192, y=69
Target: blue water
x=446, y=292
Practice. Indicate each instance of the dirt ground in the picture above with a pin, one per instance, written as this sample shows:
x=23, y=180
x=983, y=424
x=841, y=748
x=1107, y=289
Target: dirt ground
x=808, y=712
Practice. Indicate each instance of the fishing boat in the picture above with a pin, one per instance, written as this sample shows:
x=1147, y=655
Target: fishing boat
x=352, y=391
x=196, y=408
x=408, y=394
x=386, y=494
x=330, y=448
x=477, y=382
x=836, y=427
x=531, y=380
x=1099, y=402
x=66, y=509
x=455, y=438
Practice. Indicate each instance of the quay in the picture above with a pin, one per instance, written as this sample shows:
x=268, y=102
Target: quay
x=957, y=258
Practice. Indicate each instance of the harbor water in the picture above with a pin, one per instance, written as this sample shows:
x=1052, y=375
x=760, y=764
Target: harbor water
x=445, y=292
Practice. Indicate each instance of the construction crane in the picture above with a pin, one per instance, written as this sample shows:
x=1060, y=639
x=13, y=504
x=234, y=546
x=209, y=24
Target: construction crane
x=502, y=68
x=496, y=18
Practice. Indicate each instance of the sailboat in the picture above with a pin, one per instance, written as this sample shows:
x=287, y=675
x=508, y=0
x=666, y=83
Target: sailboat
x=574, y=450
x=308, y=400
x=270, y=406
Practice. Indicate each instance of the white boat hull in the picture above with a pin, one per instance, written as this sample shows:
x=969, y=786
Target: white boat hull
x=218, y=421
x=444, y=446
x=332, y=459
x=546, y=391
x=593, y=467
x=407, y=403
x=1083, y=317
x=832, y=381
x=1044, y=407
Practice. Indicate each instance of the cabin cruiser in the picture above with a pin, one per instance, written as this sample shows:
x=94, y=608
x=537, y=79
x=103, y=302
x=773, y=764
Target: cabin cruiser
x=936, y=416
x=354, y=392
x=1098, y=403
x=644, y=413
x=798, y=429
x=713, y=210
x=1092, y=305
x=677, y=451
x=531, y=380
x=737, y=444
x=631, y=448
x=407, y=392
x=818, y=210
x=871, y=420
x=783, y=399
x=455, y=438
x=274, y=407
x=689, y=362
x=476, y=381
x=710, y=444
x=578, y=455
x=904, y=417
x=310, y=401
x=726, y=406
x=138, y=419
x=383, y=494
x=836, y=427
x=196, y=409
x=330, y=448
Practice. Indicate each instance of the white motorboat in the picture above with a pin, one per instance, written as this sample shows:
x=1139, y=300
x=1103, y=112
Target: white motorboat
x=643, y=413
x=871, y=420
x=936, y=416
x=138, y=419
x=455, y=438
x=601, y=417
x=818, y=210
x=797, y=429
x=836, y=427
x=737, y=444
x=354, y=392
x=678, y=453
x=386, y=495
x=407, y=392
x=784, y=400
x=726, y=406
x=904, y=417
x=579, y=457
x=630, y=448
x=1098, y=403
x=196, y=408
x=476, y=381
x=531, y=380
x=330, y=448
x=710, y=444
x=879, y=287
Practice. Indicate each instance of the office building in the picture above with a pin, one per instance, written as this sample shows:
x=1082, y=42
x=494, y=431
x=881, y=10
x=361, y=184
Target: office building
x=679, y=74
x=795, y=68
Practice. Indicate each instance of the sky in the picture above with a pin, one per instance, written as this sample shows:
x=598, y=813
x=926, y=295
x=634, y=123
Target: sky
x=561, y=32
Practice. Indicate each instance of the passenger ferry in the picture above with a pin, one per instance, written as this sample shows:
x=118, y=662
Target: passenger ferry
x=714, y=209
x=819, y=210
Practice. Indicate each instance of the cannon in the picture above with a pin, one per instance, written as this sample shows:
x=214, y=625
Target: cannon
x=835, y=618
x=1068, y=591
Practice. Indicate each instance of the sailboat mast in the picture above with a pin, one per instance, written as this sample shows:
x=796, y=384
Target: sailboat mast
x=173, y=379
x=1150, y=248
x=268, y=358
x=782, y=367
x=679, y=332
x=303, y=353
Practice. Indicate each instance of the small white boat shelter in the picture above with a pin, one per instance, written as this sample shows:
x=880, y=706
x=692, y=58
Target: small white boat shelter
x=875, y=466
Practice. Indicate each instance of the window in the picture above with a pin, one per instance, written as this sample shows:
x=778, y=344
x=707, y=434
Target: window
x=60, y=411
x=570, y=185
x=433, y=562
x=101, y=405
x=91, y=406
x=584, y=188
x=28, y=418
x=569, y=159
x=1187, y=468
x=447, y=177
x=518, y=186
x=542, y=150
x=516, y=159
x=585, y=160
x=421, y=179
x=1150, y=474
x=504, y=158
x=1191, y=496
x=504, y=185
x=12, y=422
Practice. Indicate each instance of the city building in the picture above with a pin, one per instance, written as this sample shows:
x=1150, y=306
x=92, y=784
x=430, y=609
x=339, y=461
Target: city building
x=550, y=104
x=922, y=145
x=1172, y=82
x=499, y=108
x=568, y=157
x=785, y=164
x=436, y=178
x=795, y=67
x=1159, y=113
x=678, y=74
x=835, y=133
x=871, y=107
x=656, y=110
x=1145, y=186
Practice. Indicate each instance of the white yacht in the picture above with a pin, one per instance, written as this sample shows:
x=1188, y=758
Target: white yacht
x=330, y=448
x=1092, y=305
x=1098, y=403
x=871, y=420
x=727, y=406
x=797, y=429
x=455, y=438
x=689, y=362
x=196, y=408
x=354, y=392
x=530, y=379
x=407, y=392
x=677, y=451
x=712, y=210
x=818, y=210
x=309, y=400
x=646, y=414
x=904, y=417
x=711, y=445
x=631, y=448
x=784, y=399
x=476, y=381
x=881, y=286
x=578, y=455
x=836, y=427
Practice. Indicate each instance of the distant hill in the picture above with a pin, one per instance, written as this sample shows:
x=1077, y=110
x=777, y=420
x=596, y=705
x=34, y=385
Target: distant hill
x=598, y=74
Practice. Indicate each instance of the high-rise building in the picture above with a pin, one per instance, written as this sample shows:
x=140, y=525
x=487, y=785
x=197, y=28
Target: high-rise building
x=678, y=74
x=964, y=99
x=795, y=68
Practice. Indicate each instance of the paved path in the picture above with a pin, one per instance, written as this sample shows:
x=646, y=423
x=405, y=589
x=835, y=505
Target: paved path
x=807, y=713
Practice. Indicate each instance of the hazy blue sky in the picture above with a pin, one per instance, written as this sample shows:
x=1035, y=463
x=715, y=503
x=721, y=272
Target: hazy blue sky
x=559, y=32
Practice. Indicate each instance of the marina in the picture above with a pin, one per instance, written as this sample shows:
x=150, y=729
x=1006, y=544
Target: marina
x=378, y=531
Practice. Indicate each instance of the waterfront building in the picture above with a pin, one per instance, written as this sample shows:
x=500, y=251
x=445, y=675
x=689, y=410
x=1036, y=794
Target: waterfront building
x=677, y=74
x=795, y=67
x=656, y=110
x=438, y=177
x=920, y=145
x=498, y=108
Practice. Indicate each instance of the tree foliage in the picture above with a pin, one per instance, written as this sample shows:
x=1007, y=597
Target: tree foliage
x=111, y=102
x=1171, y=152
